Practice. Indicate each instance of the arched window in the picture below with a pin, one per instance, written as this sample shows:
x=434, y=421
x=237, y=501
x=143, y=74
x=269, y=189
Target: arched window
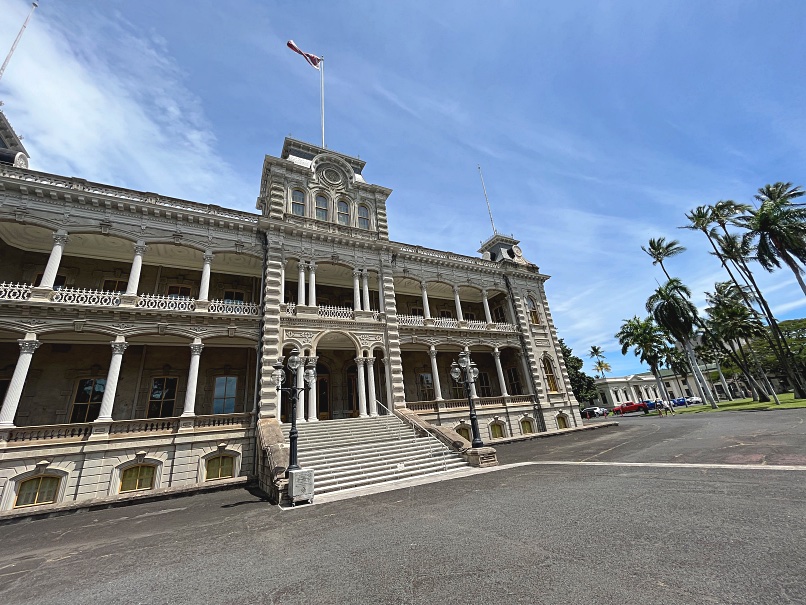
x=534, y=316
x=220, y=467
x=321, y=208
x=562, y=422
x=527, y=426
x=39, y=490
x=464, y=431
x=137, y=478
x=497, y=430
x=363, y=217
x=344, y=213
x=298, y=202
x=548, y=370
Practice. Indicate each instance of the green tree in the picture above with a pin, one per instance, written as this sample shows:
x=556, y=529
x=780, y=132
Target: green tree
x=583, y=386
x=778, y=228
x=597, y=353
x=602, y=367
x=648, y=342
x=659, y=250
x=671, y=307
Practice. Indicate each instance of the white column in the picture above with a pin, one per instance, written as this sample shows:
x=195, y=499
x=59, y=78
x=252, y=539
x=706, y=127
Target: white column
x=312, y=284
x=487, y=316
x=356, y=290
x=137, y=266
x=426, y=308
x=301, y=284
x=193, y=378
x=14, y=392
x=432, y=353
x=373, y=401
x=204, y=286
x=282, y=281
x=361, y=387
x=500, y=371
x=301, y=392
x=365, y=283
x=118, y=347
x=456, y=300
x=54, y=260
x=313, y=411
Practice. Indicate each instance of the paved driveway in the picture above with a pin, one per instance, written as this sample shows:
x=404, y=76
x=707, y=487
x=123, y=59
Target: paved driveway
x=531, y=533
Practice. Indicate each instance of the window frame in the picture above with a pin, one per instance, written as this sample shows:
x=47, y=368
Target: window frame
x=484, y=386
x=226, y=397
x=513, y=379
x=340, y=213
x=138, y=466
x=500, y=426
x=424, y=389
x=524, y=421
x=499, y=314
x=550, y=374
x=118, y=282
x=219, y=456
x=295, y=203
x=318, y=208
x=534, y=314
x=37, y=501
x=89, y=402
x=232, y=300
x=180, y=288
x=363, y=222
x=163, y=399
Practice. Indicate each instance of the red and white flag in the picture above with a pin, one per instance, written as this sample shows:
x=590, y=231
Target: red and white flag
x=312, y=60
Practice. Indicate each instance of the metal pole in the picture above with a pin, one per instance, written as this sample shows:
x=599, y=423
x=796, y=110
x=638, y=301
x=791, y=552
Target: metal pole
x=17, y=40
x=322, y=87
x=293, y=465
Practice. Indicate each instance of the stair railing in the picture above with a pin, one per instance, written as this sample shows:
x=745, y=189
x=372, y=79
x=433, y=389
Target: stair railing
x=441, y=449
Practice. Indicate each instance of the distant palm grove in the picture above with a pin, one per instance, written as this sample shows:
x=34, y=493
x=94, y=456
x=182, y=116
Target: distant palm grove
x=738, y=331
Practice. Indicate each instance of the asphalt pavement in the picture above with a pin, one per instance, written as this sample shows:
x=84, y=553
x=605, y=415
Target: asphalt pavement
x=569, y=520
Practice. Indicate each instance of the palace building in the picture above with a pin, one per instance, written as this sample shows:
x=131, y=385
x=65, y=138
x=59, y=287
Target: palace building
x=138, y=334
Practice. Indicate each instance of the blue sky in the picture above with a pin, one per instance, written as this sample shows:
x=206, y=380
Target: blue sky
x=598, y=124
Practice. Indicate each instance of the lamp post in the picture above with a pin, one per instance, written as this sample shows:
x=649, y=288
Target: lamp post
x=466, y=372
x=295, y=365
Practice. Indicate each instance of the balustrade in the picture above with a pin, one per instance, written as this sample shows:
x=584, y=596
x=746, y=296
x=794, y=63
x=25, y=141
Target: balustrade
x=79, y=296
x=445, y=322
x=449, y=405
x=9, y=291
x=411, y=320
x=243, y=420
x=291, y=308
x=54, y=432
x=166, y=303
x=336, y=312
x=145, y=425
x=233, y=307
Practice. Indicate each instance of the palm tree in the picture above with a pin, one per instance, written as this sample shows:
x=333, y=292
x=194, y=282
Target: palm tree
x=647, y=341
x=597, y=353
x=659, y=249
x=779, y=225
x=601, y=367
x=671, y=307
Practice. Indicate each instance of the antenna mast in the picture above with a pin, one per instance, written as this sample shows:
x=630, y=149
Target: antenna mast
x=495, y=231
x=34, y=5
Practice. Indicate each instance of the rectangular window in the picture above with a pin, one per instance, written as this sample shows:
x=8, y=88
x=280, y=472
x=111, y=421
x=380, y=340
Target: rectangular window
x=513, y=381
x=40, y=490
x=446, y=314
x=298, y=203
x=418, y=311
x=483, y=386
x=233, y=297
x=224, y=394
x=115, y=285
x=457, y=390
x=87, y=400
x=178, y=292
x=425, y=386
x=163, y=397
x=137, y=478
x=321, y=208
x=469, y=316
x=499, y=316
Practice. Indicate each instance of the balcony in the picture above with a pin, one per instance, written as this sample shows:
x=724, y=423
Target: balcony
x=460, y=405
x=454, y=324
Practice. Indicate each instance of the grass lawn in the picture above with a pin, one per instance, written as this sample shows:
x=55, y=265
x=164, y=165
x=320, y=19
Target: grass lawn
x=788, y=402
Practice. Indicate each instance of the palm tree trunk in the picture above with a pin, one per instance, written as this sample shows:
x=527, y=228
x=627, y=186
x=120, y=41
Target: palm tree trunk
x=790, y=262
x=658, y=382
x=705, y=392
x=723, y=382
x=762, y=396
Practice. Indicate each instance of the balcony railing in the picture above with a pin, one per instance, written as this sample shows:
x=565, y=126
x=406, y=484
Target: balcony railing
x=15, y=291
x=336, y=312
x=451, y=405
x=81, y=296
x=234, y=308
x=166, y=303
x=411, y=320
x=67, y=433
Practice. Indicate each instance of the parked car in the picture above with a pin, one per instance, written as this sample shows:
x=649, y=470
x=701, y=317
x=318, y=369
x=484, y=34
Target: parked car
x=630, y=406
x=693, y=400
x=594, y=412
x=679, y=401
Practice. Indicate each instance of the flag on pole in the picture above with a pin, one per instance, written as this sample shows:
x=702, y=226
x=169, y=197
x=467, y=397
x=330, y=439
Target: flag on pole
x=312, y=60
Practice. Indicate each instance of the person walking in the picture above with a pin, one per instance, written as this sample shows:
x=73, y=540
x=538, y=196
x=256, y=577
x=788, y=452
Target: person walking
x=667, y=407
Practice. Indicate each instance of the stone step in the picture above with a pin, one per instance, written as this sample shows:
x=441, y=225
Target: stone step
x=381, y=470
x=358, y=460
x=363, y=482
x=364, y=450
x=305, y=442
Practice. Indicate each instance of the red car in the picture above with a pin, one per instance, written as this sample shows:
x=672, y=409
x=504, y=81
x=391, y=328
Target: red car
x=629, y=406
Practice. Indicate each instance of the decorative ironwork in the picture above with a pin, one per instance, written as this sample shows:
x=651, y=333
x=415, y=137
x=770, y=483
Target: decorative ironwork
x=80, y=296
x=9, y=291
x=233, y=308
x=336, y=312
x=166, y=303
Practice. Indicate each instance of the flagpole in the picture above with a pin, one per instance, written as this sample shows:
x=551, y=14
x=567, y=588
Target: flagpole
x=322, y=82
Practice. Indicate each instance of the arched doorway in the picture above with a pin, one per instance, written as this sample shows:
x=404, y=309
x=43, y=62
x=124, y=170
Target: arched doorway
x=323, y=391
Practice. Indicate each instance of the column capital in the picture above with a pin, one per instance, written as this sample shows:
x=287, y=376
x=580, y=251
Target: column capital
x=484, y=292
x=370, y=361
x=118, y=347
x=283, y=262
x=357, y=273
x=208, y=257
x=385, y=360
x=313, y=358
x=196, y=348
x=140, y=248
x=60, y=237
x=496, y=353
x=423, y=286
x=28, y=346
x=360, y=361
x=312, y=267
x=456, y=289
x=432, y=352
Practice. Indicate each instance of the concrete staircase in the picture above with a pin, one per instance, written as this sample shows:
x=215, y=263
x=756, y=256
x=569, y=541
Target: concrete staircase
x=357, y=452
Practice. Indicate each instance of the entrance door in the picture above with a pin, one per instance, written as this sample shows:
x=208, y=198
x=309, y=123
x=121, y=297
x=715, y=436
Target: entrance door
x=562, y=423
x=352, y=395
x=323, y=397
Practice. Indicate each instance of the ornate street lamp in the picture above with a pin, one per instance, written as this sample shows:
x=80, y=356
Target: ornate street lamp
x=294, y=365
x=465, y=371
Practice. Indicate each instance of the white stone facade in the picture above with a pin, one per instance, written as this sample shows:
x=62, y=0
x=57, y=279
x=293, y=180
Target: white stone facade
x=138, y=331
